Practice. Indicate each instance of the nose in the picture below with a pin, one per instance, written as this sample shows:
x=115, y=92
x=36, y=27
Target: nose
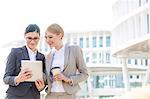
x=32, y=41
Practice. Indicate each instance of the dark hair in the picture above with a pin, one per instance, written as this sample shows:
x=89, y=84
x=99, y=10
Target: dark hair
x=32, y=28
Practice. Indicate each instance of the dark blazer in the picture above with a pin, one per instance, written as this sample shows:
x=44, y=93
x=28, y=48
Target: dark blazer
x=73, y=62
x=12, y=70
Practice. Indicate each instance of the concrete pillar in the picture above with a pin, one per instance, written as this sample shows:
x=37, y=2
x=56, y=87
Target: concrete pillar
x=148, y=74
x=125, y=75
x=147, y=80
x=90, y=87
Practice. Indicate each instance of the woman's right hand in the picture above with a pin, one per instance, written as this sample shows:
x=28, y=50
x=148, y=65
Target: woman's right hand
x=40, y=84
x=23, y=75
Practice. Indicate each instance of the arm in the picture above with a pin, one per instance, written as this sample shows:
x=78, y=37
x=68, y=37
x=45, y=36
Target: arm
x=13, y=75
x=9, y=76
x=81, y=67
x=41, y=83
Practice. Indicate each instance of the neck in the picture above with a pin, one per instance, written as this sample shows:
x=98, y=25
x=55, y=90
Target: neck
x=59, y=46
x=34, y=50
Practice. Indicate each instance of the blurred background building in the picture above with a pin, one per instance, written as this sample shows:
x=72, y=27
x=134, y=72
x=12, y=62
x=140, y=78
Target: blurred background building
x=106, y=78
x=131, y=38
x=117, y=60
x=131, y=33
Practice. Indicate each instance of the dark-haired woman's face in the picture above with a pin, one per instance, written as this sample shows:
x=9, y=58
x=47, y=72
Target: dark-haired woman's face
x=32, y=39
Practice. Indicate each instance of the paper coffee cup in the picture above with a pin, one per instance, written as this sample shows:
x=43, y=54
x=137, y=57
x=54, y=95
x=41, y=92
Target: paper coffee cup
x=55, y=70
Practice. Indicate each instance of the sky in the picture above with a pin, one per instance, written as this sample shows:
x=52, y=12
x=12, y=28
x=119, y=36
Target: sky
x=72, y=15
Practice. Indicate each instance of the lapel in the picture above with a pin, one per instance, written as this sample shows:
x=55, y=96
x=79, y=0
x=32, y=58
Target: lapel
x=25, y=53
x=49, y=59
x=66, y=56
x=38, y=56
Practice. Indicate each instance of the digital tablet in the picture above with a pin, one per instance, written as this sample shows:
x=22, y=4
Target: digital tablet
x=35, y=67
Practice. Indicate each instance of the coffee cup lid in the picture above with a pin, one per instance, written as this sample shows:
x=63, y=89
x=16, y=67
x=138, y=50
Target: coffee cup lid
x=55, y=68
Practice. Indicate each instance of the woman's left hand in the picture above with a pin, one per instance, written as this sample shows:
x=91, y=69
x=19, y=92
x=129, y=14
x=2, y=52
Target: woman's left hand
x=61, y=77
x=39, y=84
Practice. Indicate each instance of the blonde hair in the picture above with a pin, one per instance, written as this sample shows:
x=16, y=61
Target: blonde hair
x=56, y=29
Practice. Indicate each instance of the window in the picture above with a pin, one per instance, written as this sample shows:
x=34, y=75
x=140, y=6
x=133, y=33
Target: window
x=146, y=62
x=87, y=42
x=100, y=41
x=131, y=76
x=87, y=59
x=106, y=83
x=107, y=57
x=101, y=57
x=46, y=50
x=94, y=42
x=81, y=42
x=107, y=41
x=141, y=62
x=129, y=61
x=137, y=77
x=135, y=61
x=97, y=81
x=94, y=57
x=74, y=41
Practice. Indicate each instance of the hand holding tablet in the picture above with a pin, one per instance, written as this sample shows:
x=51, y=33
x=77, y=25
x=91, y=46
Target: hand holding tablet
x=35, y=67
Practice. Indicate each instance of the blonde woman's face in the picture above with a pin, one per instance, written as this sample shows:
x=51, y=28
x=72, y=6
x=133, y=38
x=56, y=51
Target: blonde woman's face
x=52, y=39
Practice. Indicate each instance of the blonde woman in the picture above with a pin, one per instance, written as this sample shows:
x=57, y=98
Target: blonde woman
x=69, y=60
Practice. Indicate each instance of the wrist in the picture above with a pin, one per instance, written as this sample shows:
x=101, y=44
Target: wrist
x=40, y=89
x=68, y=80
x=17, y=81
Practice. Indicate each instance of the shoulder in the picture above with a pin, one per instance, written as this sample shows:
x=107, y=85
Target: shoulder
x=14, y=52
x=41, y=54
x=74, y=48
x=17, y=50
x=49, y=54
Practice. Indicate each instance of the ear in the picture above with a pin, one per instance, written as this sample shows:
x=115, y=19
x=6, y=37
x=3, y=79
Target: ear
x=60, y=35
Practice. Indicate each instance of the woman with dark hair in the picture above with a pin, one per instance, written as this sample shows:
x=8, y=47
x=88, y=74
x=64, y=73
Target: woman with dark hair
x=16, y=77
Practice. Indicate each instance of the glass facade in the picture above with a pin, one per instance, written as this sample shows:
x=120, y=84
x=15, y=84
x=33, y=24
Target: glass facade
x=107, y=81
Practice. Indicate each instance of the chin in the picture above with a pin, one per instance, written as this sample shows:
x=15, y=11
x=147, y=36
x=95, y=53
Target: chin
x=51, y=46
x=32, y=47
